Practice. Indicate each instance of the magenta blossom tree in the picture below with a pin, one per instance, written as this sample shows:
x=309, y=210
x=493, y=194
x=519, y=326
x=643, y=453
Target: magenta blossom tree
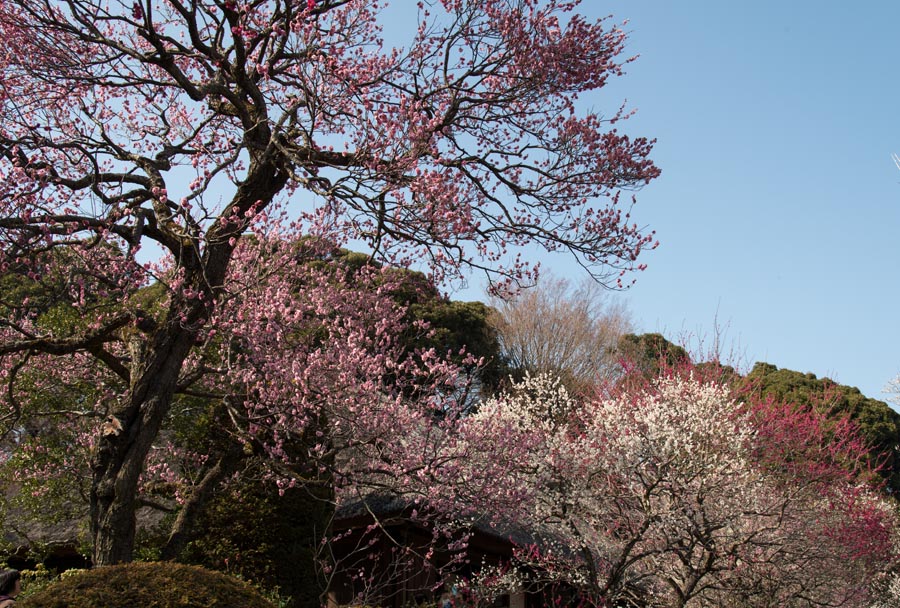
x=137, y=126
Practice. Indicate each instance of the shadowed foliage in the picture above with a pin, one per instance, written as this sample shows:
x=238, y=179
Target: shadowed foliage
x=271, y=538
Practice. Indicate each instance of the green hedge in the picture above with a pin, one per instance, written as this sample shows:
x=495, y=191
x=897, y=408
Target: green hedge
x=147, y=585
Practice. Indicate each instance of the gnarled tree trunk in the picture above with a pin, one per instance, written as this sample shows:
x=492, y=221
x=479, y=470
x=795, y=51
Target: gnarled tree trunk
x=125, y=441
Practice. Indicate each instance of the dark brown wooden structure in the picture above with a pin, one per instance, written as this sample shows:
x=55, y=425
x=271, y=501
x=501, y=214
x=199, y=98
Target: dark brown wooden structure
x=386, y=555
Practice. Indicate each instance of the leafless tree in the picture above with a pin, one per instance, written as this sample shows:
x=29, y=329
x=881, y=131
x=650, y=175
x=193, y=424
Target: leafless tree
x=570, y=331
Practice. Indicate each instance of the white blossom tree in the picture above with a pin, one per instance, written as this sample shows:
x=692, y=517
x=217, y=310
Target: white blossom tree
x=675, y=494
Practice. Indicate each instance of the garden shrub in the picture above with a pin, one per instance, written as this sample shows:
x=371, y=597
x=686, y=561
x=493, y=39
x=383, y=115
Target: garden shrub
x=147, y=585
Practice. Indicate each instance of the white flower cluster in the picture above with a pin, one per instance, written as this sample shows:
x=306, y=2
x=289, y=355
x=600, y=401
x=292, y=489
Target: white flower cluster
x=889, y=594
x=654, y=490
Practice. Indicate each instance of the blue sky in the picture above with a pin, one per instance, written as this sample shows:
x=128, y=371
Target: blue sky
x=779, y=204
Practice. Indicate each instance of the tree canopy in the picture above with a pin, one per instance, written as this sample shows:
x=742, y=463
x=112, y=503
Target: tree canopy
x=169, y=130
x=568, y=330
x=878, y=423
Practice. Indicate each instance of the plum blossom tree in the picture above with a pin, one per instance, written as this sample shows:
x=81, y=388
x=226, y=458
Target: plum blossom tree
x=306, y=379
x=328, y=401
x=675, y=494
x=133, y=127
x=877, y=422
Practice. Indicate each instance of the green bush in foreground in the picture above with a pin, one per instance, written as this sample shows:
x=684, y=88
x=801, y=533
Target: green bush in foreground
x=147, y=585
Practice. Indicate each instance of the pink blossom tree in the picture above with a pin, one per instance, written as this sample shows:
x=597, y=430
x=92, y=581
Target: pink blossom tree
x=306, y=377
x=134, y=127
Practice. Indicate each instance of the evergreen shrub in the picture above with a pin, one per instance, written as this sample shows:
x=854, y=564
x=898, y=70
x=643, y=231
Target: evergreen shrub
x=147, y=585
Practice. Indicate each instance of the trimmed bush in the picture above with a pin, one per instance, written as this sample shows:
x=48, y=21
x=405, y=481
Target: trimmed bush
x=146, y=585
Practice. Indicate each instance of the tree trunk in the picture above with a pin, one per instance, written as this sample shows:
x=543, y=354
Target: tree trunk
x=125, y=440
x=129, y=433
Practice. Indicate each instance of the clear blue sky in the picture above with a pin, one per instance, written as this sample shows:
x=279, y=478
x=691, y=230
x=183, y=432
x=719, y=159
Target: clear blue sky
x=779, y=205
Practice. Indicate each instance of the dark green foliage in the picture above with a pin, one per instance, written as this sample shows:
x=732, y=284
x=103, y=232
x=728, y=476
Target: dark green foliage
x=251, y=530
x=458, y=326
x=156, y=585
x=46, y=289
x=453, y=327
x=717, y=372
x=878, y=423
x=648, y=354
